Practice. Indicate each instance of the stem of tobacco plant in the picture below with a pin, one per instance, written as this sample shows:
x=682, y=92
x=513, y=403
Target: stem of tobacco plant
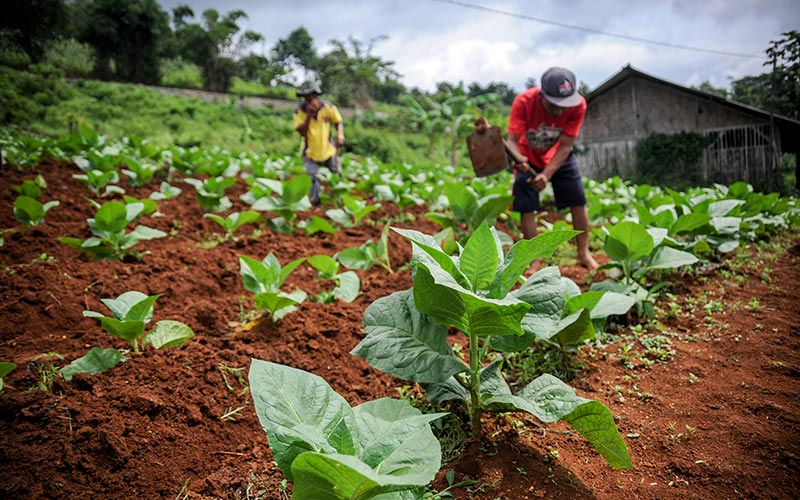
x=475, y=386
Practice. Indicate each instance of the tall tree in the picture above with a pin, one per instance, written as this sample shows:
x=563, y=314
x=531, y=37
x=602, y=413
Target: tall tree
x=779, y=89
x=126, y=38
x=30, y=24
x=351, y=72
x=215, y=46
x=295, y=53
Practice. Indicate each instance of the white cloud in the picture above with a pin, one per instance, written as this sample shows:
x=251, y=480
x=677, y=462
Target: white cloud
x=432, y=41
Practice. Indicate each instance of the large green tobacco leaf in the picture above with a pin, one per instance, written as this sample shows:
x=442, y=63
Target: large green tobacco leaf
x=689, y=222
x=300, y=412
x=437, y=294
x=628, y=241
x=574, y=329
x=522, y=254
x=97, y=360
x=349, y=284
x=544, y=292
x=427, y=251
x=550, y=399
x=669, y=258
x=279, y=304
x=480, y=258
x=406, y=344
x=168, y=333
x=341, y=477
x=379, y=447
x=594, y=421
x=132, y=305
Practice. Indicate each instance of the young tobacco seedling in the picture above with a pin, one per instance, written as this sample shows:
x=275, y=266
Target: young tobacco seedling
x=30, y=211
x=234, y=221
x=100, y=181
x=348, y=283
x=139, y=173
x=638, y=251
x=166, y=192
x=211, y=192
x=110, y=241
x=407, y=333
x=368, y=254
x=379, y=449
x=288, y=198
x=353, y=211
x=5, y=369
x=265, y=280
x=469, y=209
x=130, y=313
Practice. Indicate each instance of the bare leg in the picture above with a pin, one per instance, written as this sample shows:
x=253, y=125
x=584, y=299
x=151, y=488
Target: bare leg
x=580, y=221
x=528, y=222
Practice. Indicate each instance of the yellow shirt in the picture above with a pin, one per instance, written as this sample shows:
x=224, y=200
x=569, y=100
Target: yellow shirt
x=318, y=144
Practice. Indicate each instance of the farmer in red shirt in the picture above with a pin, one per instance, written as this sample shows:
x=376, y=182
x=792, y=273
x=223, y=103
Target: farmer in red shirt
x=542, y=128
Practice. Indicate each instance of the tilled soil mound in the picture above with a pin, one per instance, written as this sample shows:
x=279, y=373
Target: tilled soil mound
x=711, y=413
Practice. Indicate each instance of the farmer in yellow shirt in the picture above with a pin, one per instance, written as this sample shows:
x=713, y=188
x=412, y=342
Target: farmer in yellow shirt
x=313, y=119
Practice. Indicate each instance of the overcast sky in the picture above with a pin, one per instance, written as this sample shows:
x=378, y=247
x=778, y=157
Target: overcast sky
x=511, y=40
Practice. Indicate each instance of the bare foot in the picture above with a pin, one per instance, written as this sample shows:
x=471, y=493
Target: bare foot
x=588, y=262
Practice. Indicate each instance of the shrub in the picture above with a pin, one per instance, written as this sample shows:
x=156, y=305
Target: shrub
x=179, y=73
x=72, y=57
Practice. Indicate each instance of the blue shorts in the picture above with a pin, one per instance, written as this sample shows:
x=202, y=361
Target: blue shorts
x=567, y=188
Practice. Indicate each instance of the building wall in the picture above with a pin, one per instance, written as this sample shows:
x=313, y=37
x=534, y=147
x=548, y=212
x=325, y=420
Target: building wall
x=637, y=108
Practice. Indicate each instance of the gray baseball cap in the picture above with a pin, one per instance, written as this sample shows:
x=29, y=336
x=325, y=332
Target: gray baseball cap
x=558, y=87
x=309, y=88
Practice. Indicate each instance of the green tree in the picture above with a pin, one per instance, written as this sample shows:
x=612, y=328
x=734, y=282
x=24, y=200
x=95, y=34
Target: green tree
x=504, y=90
x=428, y=116
x=351, y=72
x=31, y=24
x=294, y=53
x=215, y=46
x=126, y=37
x=707, y=87
x=778, y=90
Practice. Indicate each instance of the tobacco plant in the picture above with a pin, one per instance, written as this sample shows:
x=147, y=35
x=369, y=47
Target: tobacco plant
x=5, y=369
x=348, y=283
x=30, y=211
x=368, y=254
x=382, y=449
x=265, y=280
x=353, y=211
x=470, y=209
x=211, y=192
x=472, y=292
x=639, y=251
x=110, y=240
x=100, y=182
x=287, y=198
x=234, y=221
x=130, y=313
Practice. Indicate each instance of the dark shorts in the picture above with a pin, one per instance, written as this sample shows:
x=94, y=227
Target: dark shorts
x=567, y=188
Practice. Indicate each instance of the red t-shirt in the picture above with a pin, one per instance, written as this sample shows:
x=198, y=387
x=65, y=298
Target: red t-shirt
x=538, y=131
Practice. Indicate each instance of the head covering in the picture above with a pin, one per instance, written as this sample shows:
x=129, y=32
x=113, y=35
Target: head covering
x=309, y=88
x=558, y=87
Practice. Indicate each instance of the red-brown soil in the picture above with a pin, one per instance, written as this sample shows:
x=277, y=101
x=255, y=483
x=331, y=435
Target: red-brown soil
x=718, y=419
